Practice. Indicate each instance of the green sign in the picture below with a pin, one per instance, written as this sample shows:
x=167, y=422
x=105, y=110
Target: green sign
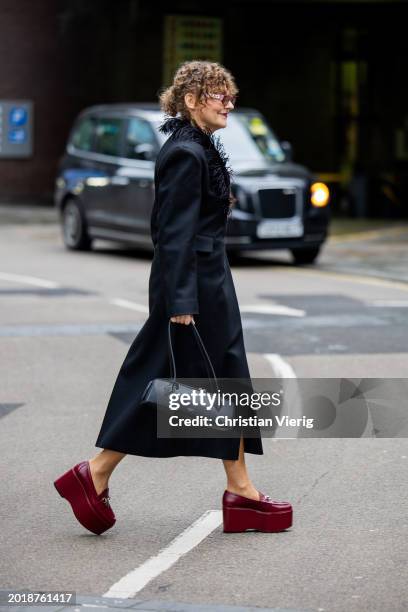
x=189, y=38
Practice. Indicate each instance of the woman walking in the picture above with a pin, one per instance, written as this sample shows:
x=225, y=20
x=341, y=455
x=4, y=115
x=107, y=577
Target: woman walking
x=190, y=284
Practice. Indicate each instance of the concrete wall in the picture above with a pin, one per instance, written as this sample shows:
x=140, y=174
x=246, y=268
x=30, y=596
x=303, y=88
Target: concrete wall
x=31, y=68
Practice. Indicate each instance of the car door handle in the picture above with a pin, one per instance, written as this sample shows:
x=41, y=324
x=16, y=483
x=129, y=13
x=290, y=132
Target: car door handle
x=120, y=180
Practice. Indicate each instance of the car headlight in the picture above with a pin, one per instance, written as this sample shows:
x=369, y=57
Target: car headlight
x=320, y=194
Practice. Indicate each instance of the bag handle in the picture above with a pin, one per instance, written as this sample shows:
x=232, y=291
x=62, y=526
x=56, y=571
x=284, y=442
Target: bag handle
x=203, y=352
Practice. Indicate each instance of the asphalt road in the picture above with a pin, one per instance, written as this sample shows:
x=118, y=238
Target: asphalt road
x=67, y=320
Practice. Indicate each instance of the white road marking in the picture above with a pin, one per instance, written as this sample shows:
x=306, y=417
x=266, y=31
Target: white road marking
x=281, y=368
x=293, y=404
x=273, y=309
x=291, y=394
x=29, y=280
x=130, y=305
x=137, y=579
x=389, y=303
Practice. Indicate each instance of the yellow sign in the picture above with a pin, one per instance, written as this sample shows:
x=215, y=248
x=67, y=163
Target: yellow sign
x=257, y=127
x=189, y=38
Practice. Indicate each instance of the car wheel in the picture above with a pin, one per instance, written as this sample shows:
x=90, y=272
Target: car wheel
x=305, y=256
x=74, y=228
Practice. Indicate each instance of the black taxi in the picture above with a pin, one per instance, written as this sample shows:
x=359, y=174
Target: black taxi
x=105, y=183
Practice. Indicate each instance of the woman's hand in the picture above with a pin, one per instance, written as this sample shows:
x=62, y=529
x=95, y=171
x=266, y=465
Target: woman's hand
x=186, y=319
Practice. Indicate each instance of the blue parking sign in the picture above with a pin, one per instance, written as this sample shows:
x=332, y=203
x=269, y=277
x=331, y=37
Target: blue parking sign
x=16, y=129
x=17, y=116
x=17, y=136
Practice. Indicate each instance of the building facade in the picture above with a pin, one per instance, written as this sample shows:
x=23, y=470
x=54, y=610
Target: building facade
x=328, y=75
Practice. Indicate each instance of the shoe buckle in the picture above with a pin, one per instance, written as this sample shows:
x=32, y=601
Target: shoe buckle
x=106, y=500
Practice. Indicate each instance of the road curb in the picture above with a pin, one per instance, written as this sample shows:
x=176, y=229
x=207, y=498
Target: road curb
x=368, y=235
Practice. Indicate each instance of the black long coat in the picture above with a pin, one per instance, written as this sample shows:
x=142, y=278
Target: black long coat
x=190, y=274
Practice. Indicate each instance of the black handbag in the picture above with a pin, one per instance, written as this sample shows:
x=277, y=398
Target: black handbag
x=157, y=392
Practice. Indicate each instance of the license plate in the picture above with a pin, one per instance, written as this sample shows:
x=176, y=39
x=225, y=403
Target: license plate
x=280, y=229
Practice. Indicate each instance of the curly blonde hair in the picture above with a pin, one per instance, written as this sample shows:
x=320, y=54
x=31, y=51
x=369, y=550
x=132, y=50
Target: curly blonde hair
x=199, y=78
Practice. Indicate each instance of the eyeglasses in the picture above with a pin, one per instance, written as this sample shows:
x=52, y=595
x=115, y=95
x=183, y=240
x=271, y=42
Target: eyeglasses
x=223, y=98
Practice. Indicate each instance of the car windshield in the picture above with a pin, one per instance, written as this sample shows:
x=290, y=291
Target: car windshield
x=247, y=139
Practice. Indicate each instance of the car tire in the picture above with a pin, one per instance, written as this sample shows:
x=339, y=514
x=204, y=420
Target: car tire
x=305, y=256
x=74, y=227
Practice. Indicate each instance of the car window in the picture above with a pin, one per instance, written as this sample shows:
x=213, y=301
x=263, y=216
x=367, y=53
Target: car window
x=108, y=134
x=140, y=140
x=83, y=135
x=249, y=138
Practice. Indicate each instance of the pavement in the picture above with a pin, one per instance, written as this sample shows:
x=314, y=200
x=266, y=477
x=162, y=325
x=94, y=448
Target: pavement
x=368, y=247
x=67, y=320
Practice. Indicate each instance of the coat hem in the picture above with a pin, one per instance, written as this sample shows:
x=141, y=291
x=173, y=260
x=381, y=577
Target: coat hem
x=169, y=456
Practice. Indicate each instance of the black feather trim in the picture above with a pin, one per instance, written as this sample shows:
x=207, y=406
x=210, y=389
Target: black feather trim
x=217, y=158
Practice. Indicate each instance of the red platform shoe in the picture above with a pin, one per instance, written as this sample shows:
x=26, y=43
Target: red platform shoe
x=93, y=511
x=241, y=513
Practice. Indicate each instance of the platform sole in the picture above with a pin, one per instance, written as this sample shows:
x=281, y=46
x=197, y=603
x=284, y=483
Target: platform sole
x=71, y=488
x=241, y=519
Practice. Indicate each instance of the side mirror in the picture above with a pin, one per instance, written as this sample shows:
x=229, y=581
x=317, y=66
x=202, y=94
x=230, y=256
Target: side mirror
x=287, y=149
x=145, y=151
